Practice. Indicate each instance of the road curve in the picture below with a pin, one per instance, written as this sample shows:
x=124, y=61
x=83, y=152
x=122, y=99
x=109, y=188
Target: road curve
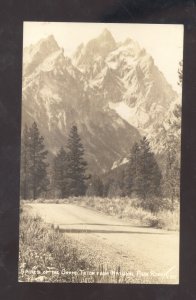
x=152, y=254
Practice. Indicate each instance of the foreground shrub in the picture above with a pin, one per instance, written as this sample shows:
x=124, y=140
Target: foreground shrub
x=168, y=220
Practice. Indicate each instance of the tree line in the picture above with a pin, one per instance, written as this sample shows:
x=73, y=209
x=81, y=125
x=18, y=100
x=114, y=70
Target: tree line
x=33, y=177
x=141, y=177
x=67, y=175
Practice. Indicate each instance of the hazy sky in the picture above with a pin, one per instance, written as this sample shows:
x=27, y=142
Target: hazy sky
x=163, y=42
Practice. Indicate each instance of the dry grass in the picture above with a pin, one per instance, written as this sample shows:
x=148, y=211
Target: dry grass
x=44, y=253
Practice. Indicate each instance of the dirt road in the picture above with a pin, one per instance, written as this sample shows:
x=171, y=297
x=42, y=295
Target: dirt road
x=152, y=254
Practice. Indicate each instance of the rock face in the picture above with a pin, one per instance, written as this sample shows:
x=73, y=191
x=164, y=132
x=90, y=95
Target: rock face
x=112, y=92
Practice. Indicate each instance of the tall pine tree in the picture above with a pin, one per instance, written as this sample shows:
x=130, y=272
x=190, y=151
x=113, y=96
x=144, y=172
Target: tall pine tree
x=76, y=165
x=171, y=175
x=171, y=179
x=143, y=176
x=60, y=180
x=131, y=171
x=149, y=175
x=38, y=180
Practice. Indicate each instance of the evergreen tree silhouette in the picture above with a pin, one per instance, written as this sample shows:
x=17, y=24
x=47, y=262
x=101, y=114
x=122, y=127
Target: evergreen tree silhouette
x=60, y=173
x=38, y=180
x=76, y=165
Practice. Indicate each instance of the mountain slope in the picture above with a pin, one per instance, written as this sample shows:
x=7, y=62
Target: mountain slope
x=56, y=95
x=112, y=91
x=131, y=84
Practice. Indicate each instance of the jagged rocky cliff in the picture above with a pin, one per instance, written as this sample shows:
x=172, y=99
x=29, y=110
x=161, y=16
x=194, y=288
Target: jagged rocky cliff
x=112, y=91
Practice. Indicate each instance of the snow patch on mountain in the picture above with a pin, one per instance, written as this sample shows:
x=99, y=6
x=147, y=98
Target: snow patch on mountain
x=118, y=163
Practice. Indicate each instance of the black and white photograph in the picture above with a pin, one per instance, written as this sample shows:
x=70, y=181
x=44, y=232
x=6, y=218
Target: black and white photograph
x=100, y=155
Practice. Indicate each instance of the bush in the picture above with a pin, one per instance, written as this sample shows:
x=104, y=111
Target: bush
x=168, y=220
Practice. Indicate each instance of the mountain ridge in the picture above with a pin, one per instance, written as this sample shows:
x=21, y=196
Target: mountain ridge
x=113, y=91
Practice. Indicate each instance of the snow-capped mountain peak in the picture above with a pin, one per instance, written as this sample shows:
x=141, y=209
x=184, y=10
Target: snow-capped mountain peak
x=94, y=51
x=113, y=91
x=34, y=54
x=106, y=37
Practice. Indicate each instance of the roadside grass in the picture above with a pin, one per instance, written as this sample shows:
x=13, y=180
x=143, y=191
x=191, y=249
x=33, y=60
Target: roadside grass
x=130, y=208
x=46, y=255
x=126, y=208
